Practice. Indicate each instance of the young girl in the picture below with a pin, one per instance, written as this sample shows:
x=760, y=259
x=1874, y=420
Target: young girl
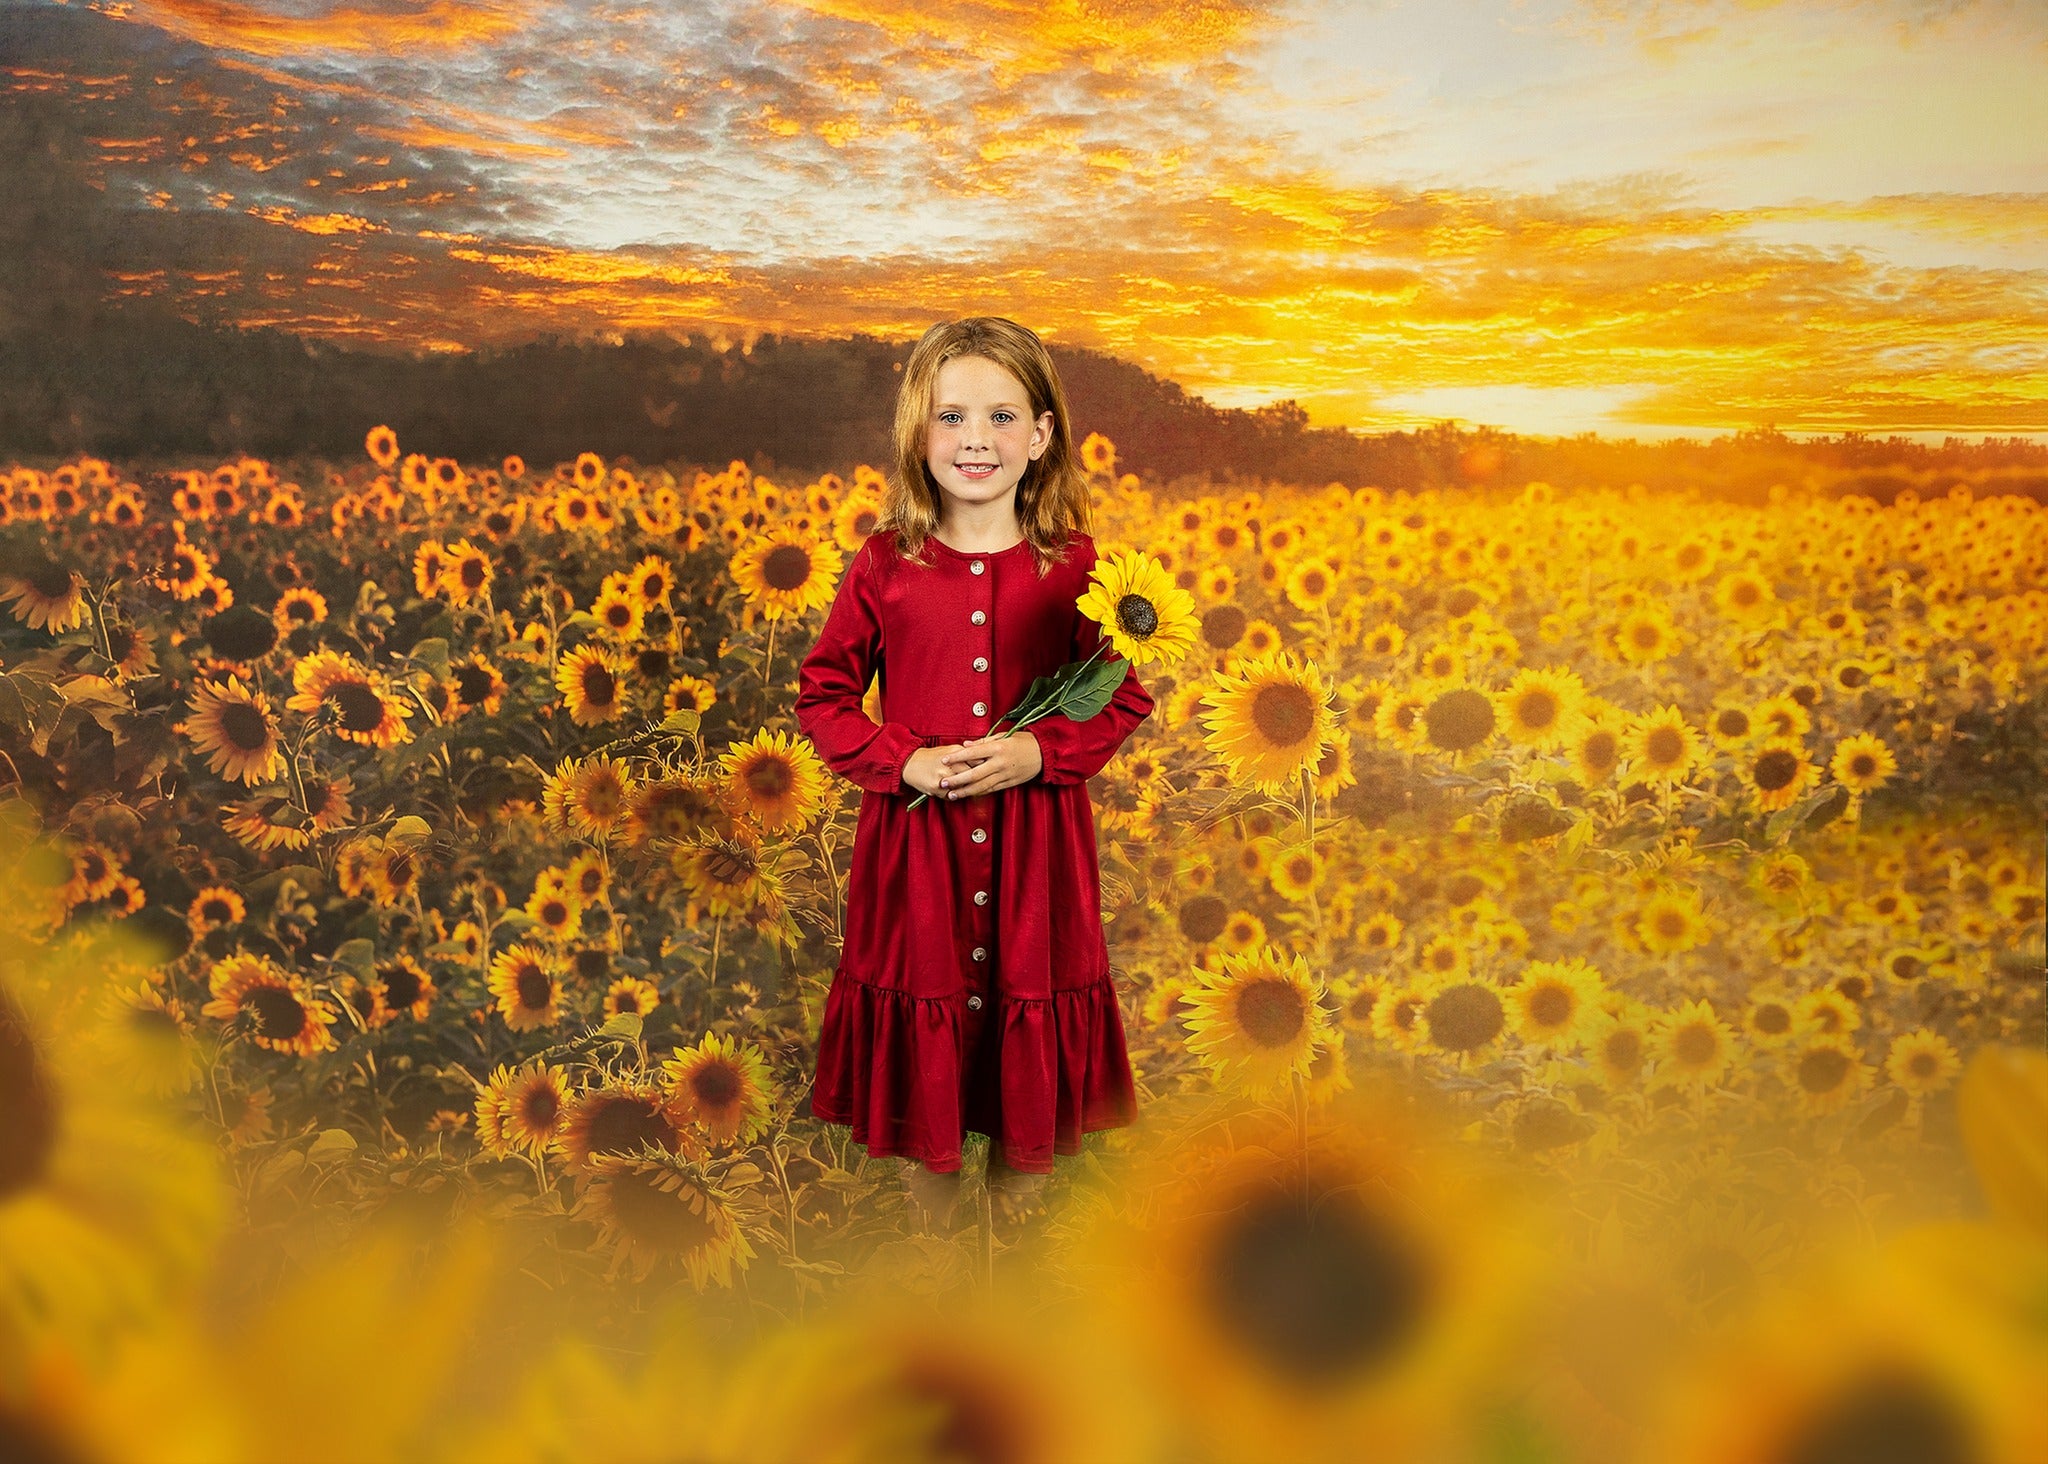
x=973, y=988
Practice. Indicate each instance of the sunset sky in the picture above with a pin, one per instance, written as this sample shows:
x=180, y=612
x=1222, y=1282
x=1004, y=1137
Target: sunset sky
x=1552, y=215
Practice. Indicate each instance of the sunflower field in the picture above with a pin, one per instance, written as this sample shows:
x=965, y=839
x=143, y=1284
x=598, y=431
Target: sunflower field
x=1582, y=954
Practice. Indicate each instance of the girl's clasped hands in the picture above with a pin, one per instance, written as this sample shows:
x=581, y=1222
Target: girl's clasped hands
x=983, y=765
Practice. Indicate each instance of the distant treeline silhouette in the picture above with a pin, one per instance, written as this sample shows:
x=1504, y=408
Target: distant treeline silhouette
x=145, y=387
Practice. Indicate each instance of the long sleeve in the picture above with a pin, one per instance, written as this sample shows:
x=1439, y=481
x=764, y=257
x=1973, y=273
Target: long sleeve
x=1075, y=751
x=833, y=681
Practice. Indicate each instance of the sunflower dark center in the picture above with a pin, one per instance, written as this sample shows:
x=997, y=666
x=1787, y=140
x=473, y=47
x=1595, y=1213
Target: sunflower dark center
x=359, y=706
x=1670, y=924
x=1137, y=616
x=1464, y=1017
x=1822, y=1069
x=472, y=683
x=1922, y=1065
x=1775, y=769
x=1886, y=1418
x=1863, y=765
x=245, y=726
x=1695, y=1045
x=1600, y=750
x=540, y=1107
x=786, y=567
x=1283, y=714
x=1551, y=1006
x=1363, y=1001
x=770, y=777
x=661, y=1220
x=1745, y=593
x=716, y=1084
x=401, y=984
x=52, y=580
x=30, y=1132
x=1664, y=746
x=1623, y=1050
x=1732, y=723
x=622, y=1124
x=1459, y=719
x=1538, y=709
x=1908, y=968
x=1772, y=1019
x=278, y=1013
x=534, y=988
x=1271, y=1012
x=1322, y=1292
x=1462, y=888
x=1202, y=919
x=599, y=685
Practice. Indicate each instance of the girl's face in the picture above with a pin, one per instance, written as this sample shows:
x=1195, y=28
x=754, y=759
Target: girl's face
x=981, y=436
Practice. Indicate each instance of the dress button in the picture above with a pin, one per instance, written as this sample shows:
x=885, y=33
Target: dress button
x=980, y=953
x=978, y=616
x=981, y=663
x=981, y=897
x=981, y=709
x=980, y=836
x=976, y=566
x=974, y=1002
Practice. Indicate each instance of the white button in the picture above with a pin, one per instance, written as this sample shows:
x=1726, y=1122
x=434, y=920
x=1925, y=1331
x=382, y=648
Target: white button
x=981, y=897
x=978, y=617
x=980, y=836
x=981, y=709
x=980, y=952
x=974, y=1002
x=976, y=566
x=981, y=663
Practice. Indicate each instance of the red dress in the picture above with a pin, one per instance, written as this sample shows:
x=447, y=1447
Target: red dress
x=973, y=988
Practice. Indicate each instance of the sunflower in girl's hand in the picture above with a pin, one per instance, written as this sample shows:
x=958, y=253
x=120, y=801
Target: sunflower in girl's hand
x=1144, y=617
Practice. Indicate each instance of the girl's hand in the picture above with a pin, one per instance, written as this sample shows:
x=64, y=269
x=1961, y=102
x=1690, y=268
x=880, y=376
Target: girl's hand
x=989, y=763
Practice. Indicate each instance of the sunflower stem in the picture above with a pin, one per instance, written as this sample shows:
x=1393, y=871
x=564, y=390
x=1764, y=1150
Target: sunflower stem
x=1301, y=1134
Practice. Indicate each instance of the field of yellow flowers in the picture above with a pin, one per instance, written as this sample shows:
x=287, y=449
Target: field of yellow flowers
x=1582, y=954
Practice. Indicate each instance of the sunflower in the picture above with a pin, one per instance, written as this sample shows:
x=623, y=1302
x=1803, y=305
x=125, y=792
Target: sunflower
x=1540, y=708
x=1144, y=614
x=619, y=614
x=215, y=907
x=361, y=712
x=278, y=1007
x=589, y=679
x=650, y=1211
x=1458, y=720
x=727, y=875
x=783, y=572
x=1444, y=958
x=1646, y=635
x=1258, y=1018
x=467, y=575
x=1378, y=932
x=631, y=994
x=382, y=446
x=522, y=1109
x=1463, y=1017
x=590, y=797
x=407, y=986
x=1553, y=1002
x=1662, y=745
x=236, y=730
x=1825, y=1072
x=1694, y=1046
x=475, y=685
x=1310, y=583
x=1596, y=750
x=620, y=1119
x=777, y=779
x=1771, y=1019
x=1862, y=763
x=1829, y=1012
x=1620, y=1045
x=1921, y=1062
x=557, y=914
x=1777, y=773
x=1289, y=1302
x=300, y=605
x=527, y=981
x=724, y=1085
x=47, y=595
x=1270, y=723
x=1397, y=1015
x=1745, y=597
x=1783, y=716
x=1671, y=921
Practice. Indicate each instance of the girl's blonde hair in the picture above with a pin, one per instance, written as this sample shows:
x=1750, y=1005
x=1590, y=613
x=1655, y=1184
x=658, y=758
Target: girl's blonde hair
x=1052, y=496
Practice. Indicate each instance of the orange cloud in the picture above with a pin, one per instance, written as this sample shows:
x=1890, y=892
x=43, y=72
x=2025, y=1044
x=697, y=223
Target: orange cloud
x=440, y=24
